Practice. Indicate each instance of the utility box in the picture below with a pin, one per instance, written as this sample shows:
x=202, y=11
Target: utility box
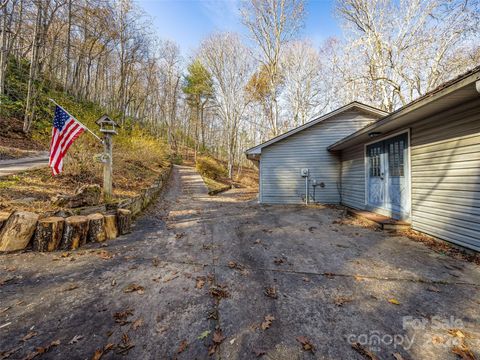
x=304, y=172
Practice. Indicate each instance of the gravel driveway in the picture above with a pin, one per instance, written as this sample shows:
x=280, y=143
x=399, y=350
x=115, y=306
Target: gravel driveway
x=226, y=276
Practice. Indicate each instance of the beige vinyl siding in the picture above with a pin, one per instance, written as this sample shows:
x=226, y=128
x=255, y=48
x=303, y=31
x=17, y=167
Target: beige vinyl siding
x=353, y=177
x=281, y=162
x=445, y=156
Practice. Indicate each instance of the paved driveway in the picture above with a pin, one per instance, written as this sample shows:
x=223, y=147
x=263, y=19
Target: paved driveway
x=226, y=275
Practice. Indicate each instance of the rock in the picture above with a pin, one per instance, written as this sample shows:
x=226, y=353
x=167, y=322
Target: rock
x=111, y=230
x=3, y=218
x=91, y=210
x=48, y=234
x=124, y=220
x=86, y=195
x=18, y=230
x=74, y=233
x=96, y=228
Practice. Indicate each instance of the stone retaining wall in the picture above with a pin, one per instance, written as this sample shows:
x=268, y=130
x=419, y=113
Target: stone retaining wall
x=90, y=224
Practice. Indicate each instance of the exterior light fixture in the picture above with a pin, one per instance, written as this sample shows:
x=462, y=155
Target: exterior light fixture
x=374, y=134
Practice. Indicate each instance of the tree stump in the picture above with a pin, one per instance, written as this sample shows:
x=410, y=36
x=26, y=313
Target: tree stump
x=124, y=220
x=96, y=228
x=48, y=234
x=111, y=230
x=17, y=231
x=75, y=232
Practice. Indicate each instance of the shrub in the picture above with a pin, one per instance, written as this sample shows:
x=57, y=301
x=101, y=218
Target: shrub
x=210, y=168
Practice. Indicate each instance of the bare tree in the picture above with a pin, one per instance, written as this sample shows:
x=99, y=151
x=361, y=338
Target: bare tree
x=229, y=62
x=272, y=24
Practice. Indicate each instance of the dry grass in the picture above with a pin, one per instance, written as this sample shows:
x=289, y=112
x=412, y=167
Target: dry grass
x=138, y=159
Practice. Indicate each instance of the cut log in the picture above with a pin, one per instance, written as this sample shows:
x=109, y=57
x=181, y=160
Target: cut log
x=3, y=218
x=96, y=228
x=124, y=220
x=48, y=234
x=74, y=232
x=111, y=230
x=17, y=231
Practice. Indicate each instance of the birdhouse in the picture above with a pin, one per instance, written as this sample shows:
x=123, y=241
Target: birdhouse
x=107, y=125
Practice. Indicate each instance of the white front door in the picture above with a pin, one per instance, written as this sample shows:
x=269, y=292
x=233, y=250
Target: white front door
x=388, y=190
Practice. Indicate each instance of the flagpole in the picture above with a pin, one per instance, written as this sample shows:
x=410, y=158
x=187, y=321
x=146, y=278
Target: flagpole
x=91, y=132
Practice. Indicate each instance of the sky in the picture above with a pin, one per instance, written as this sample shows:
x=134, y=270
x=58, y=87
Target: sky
x=188, y=22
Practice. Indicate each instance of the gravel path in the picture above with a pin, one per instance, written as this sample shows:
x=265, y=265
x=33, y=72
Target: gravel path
x=225, y=275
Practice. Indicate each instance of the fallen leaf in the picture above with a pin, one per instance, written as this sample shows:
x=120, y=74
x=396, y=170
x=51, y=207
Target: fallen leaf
x=306, y=279
x=306, y=344
x=200, y=281
x=456, y=333
x=97, y=355
x=394, y=301
x=65, y=254
x=364, y=352
x=433, y=289
x=219, y=291
x=436, y=339
x=398, y=356
x=464, y=352
x=104, y=254
x=183, y=345
x=71, y=287
x=29, y=335
x=42, y=350
x=155, y=262
x=204, y=334
x=134, y=288
x=171, y=276
x=271, y=292
x=341, y=300
x=267, y=322
x=218, y=337
x=358, y=278
x=114, y=282
x=8, y=353
x=137, y=323
x=75, y=339
x=121, y=316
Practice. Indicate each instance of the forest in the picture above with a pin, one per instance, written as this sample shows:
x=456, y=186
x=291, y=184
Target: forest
x=233, y=91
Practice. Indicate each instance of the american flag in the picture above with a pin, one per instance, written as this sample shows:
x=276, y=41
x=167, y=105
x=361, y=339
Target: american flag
x=65, y=130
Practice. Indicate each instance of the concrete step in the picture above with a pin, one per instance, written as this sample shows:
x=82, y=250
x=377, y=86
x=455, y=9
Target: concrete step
x=383, y=222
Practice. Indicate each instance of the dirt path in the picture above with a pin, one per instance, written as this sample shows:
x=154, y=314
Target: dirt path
x=197, y=263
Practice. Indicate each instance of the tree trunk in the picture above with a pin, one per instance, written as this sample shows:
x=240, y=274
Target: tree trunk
x=28, y=118
x=124, y=220
x=111, y=230
x=48, y=234
x=75, y=232
x=96, y=228
x=69, y=29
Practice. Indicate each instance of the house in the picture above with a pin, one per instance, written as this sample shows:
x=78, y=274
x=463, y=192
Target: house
x=420, y=163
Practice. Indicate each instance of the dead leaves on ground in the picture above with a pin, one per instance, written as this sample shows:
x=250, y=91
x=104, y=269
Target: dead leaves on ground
x=217, y=340
x=200, y=281
x=100, y=352
x=71, y=287
x=137, y=323
x=41, y=350
x=183, y=345
x=30, y=335
x=104, y=254
x=134, y=288
x=342, y=300
x=122, y=316
x=271, y=292
x=75, y=339
x=394, y=301
x=267, y=322
x=464, y=352
x=306, y=344
x=364, y=351
x=219, y=291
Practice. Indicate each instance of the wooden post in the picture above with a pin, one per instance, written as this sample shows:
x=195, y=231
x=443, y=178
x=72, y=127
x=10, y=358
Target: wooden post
x=107, y=128
x=107, y=166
